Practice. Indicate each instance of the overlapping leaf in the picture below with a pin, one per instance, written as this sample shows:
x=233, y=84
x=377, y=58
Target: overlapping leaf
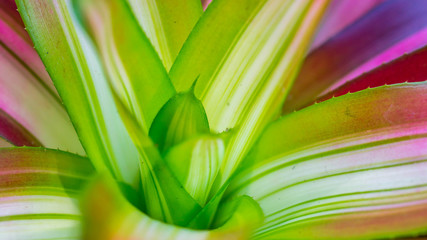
x=335, y=168
x=349, y=167
x=31, y=112
x=71, y=61
x=15, y=132
x=250, y=65
x=132, y=64
x=117, y=219
x=408, y=68
x=181, y=118
x=167, y=24
x=341, y=14
x=39, y=193
x=196, y=164
x=359, y=48
x=165, y=197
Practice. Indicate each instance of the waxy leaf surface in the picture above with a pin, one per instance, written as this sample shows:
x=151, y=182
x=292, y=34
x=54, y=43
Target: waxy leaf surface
x=40, y=193
x=73, y=64
x=31, y=111
x=165, y=197
x=250, y=65
x=359, y=48
x=341, y=14
x=181, y=118
x=196, y=163
x=132, y=64
x=408, y=68
x=167, y=24
x=117, y=219
x=357, y=161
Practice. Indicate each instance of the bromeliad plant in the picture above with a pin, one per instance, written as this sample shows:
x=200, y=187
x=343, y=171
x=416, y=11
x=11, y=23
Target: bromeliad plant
x=178, y=112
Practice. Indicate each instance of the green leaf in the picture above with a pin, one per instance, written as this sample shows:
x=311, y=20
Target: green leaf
x=352, y=167
x=209, y=41
x=165, y=198
x=181, y=118
x=132, y=64
x=196, y=164
x=40, y=193
x=248, y=52
x=242, y=212
x=167, y=24
x=70, y=59
x=30, y=102
x=117, y=219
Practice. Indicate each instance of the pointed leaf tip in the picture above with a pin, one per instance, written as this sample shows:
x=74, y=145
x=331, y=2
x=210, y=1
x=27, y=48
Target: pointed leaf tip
x=181, y=118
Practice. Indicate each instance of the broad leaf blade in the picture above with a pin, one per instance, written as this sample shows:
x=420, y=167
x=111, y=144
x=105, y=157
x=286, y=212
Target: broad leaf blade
x=14, y=37
x=359, y=157
x=200, y=55
x=408, y=68
x=167, y=24
x=28, y=100
x=257, y=72
x=341, y=14
x=40, y=192
x=133, y=66
x=348, y=55
x=250, y=65
x=71, y=61
x=204, y=58
x=280, y=63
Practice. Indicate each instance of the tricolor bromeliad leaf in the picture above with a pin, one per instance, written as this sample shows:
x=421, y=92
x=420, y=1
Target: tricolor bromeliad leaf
x=162, y=119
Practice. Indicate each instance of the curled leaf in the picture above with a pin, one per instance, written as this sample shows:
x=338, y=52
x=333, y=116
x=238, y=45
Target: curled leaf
x=181, y=118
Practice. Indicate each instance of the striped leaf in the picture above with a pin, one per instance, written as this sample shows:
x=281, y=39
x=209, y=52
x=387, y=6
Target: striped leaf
x=407, y=68
x=165, y=197
x=30, y=110
x=196, y=164
x=353, y=167
x=73, y=64
x=117, y=219
x=133, y=66
x=40, y=191
x=167, y=24
x=247, y=52
x=348, y=55
x=181, y=118
x=341, y=14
